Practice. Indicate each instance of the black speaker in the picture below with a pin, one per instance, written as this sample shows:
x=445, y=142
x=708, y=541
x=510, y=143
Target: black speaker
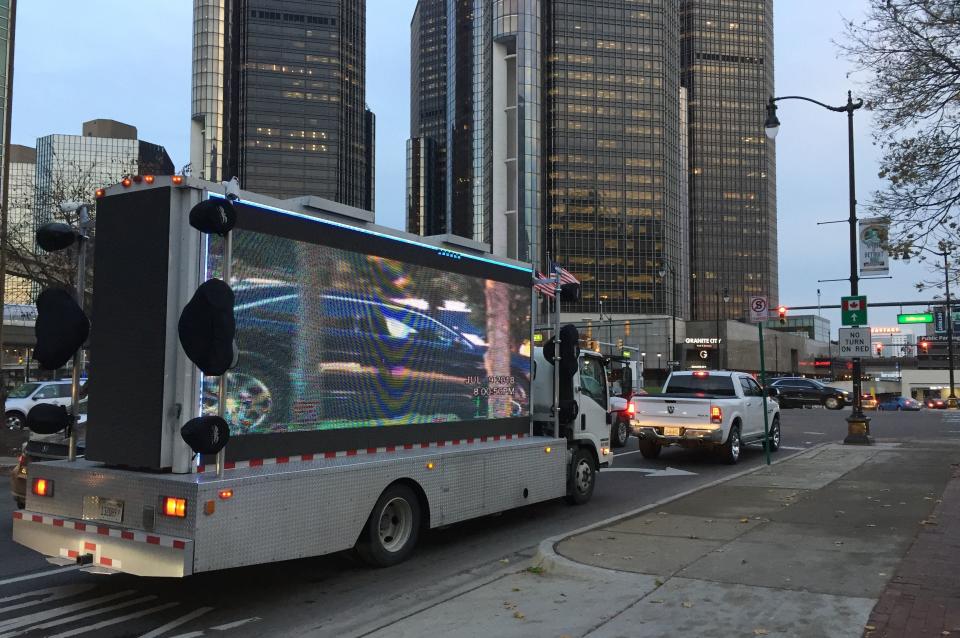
x=47, y=418
x=206, y=434
x=54, y=236
x=61, y=328
x=207, y=328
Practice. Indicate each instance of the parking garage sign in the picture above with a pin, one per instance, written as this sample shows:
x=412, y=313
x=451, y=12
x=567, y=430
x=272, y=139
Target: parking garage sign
x=854, y=342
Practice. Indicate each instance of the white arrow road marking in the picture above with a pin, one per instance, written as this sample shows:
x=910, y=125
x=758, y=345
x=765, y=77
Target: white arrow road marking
x=75, y=617
x=649, y=471
x=173, y=624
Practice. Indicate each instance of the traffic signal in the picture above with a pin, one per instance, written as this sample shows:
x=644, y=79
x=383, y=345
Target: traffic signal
x=879, y=350
x=924, y=347
x=782, y=313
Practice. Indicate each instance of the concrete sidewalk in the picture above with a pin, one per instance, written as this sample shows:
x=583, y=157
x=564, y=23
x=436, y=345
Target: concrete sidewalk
x=805, y=547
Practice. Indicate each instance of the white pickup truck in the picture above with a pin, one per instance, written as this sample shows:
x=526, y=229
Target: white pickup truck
x=722, y=409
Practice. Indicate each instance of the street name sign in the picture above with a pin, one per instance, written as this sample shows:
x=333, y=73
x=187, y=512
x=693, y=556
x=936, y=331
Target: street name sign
x=916, y=317
x=855, y=342
x=853, y=311
x=759, y=309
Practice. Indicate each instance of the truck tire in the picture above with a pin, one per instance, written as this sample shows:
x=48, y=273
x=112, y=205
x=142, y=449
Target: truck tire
x=730, y=451
x=393, y=528
x=581, y=477
x=773, y=436
x=619, y=433
x=649, y=449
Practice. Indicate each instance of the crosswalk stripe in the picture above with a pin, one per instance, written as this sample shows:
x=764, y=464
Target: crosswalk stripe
x=173, y=624
x=44, y=596
x=40, y=616
x=114, y=621
x=75, y=617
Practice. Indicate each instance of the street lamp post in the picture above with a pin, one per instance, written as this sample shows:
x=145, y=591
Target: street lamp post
x=726, y=298
x=945, y=253
x=673, y=308
x=858, y=424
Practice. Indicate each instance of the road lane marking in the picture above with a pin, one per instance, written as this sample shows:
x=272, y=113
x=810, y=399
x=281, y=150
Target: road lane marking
x=42, y=574
x=113, y=621
x=173, y=624
x=790, y=447
x=650, y=472
x=820, y=433
x=234, y=625
x=75, y=617
x=626, y=453
x=41, y=616
x=45, y=595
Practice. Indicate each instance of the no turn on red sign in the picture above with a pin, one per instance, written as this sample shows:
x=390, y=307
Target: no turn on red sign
x=854, y=342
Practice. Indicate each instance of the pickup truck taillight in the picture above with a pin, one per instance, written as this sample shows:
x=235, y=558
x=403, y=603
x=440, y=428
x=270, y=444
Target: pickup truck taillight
x=716, y=414
x=631, y=409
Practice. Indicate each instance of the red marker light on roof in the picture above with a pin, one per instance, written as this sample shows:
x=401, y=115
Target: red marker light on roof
x=701, y=373
x=137, y=179
x=126, y=182
x=177, y=180
x=100, y=193
x=148, y=179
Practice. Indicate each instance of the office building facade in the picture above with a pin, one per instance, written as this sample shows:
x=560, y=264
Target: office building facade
x=727, y=69
x=564, y=139
x=20, y=228
x=288, y=117
x=427, y=146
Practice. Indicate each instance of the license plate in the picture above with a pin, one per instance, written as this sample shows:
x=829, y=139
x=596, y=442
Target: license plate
x=669, y=431
x=97, y=508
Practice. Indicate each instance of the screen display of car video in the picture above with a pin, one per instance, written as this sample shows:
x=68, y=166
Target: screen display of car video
x=331, y=339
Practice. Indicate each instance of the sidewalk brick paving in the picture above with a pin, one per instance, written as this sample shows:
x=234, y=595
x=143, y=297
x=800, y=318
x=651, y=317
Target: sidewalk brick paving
x=923, y=597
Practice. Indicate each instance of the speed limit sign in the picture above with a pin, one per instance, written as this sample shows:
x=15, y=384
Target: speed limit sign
x=759, y=310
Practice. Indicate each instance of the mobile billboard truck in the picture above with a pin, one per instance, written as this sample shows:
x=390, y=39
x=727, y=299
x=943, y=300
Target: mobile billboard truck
x=383, y=383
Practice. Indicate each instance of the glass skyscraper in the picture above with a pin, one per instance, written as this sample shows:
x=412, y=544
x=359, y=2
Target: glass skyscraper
x=727, y=68
x=20, y=228
x=285, y=79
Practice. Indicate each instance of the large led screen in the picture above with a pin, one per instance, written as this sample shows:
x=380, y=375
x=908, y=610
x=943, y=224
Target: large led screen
x=334, y=339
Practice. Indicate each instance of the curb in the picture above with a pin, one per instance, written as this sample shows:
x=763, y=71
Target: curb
x=549, y=560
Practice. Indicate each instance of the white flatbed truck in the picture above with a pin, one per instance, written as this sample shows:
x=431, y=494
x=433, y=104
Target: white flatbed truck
x=325, y=454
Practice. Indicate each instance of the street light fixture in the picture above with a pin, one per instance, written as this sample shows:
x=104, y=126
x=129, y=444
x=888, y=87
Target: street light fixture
x=664, y=268
x=726, y=299
x=858, y=424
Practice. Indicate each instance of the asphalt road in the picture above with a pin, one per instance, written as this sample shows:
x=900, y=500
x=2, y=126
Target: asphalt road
x=338, y=596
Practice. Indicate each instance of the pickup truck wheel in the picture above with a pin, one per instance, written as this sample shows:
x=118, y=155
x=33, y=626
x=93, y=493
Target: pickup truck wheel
x=773, y=437
x=620, y=433
x=831, y=403
x=392, y=530
x=730, y=451
x=582, y=477
x=649, y=449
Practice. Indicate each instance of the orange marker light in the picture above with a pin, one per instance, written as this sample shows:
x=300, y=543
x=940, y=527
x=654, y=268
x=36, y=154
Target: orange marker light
x=225, y=494
x=177, y=180
x=42, y=487
x=148, y=179
x=100, y=193
x=175, y=507
x=126, y=181
x=137, y=179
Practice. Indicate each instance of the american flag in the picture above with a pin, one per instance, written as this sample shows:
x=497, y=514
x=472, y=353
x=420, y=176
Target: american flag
x=544, y=288
x=566, y=277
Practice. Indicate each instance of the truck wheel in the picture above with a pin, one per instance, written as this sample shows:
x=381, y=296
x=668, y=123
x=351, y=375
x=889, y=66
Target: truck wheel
x=15, y=420
x=773, y=437
x=392, y=530
x=730, y=451
x=831, y=403
x=581, y=477
x=649, y=449
x=620, y=433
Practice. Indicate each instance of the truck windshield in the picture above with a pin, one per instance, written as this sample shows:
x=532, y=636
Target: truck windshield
x=692, y=384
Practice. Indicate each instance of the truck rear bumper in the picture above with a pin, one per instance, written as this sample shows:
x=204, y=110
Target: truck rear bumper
x=115, y=548
x=687, y=436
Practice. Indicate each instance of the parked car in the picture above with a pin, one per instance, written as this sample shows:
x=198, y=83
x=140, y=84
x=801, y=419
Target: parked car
x=899, y=403
x=22, y=398
x=45, y=447
x=798, y=392
x=935, y=403
x=869, y=402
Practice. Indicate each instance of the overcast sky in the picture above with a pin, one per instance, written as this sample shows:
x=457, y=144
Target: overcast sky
x=77, y=61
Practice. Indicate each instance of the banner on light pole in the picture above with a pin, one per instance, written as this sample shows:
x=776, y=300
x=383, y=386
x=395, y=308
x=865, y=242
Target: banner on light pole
x=874, y=258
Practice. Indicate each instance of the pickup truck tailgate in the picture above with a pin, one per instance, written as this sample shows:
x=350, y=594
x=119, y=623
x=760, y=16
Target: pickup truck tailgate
x=666, y=410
